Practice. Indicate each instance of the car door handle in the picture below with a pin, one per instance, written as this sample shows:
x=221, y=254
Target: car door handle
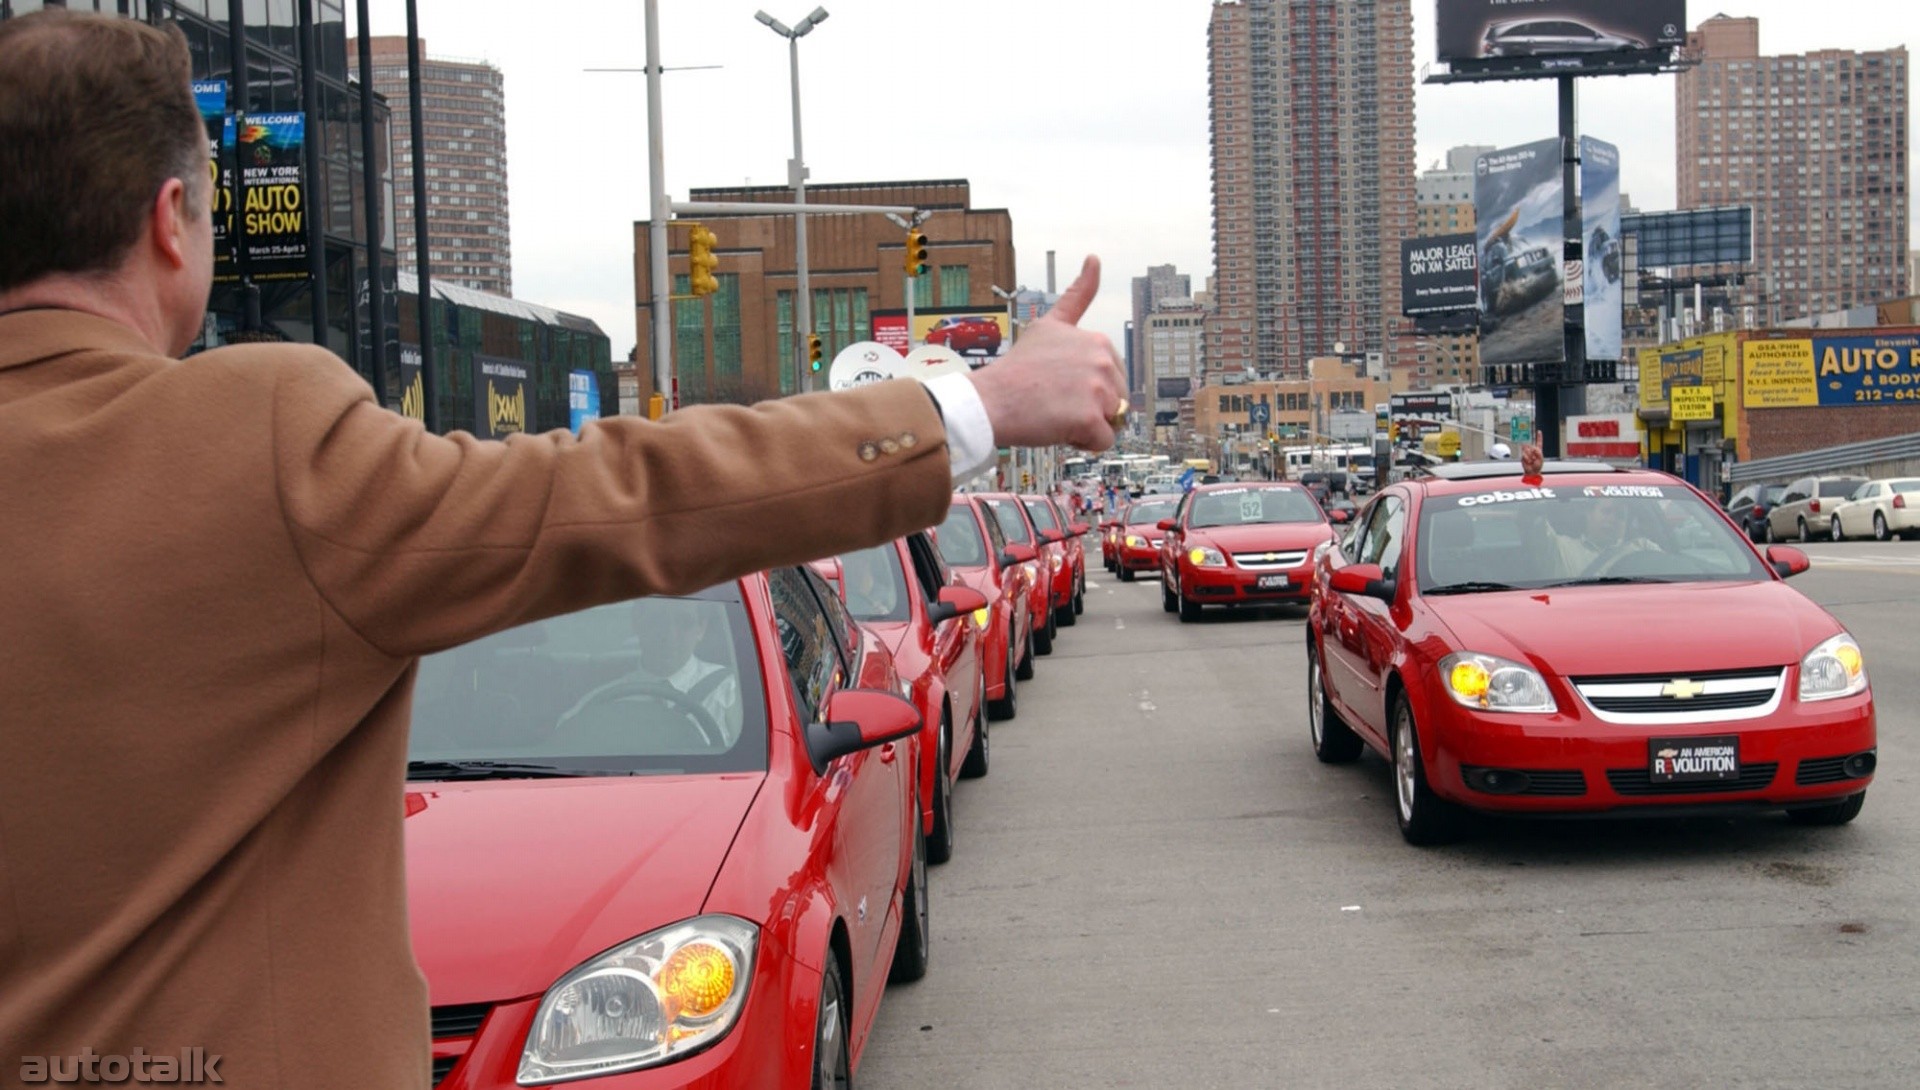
x=887, y=753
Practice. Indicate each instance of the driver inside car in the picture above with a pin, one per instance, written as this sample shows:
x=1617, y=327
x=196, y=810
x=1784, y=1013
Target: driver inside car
x=1599, y=535
x=671, y=636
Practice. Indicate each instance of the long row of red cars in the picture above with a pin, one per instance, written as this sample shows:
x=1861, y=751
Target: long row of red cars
x=683, y=841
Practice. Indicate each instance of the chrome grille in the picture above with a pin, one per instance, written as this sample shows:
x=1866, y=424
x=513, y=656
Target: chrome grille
x=1270, y=561
x=1718, y=697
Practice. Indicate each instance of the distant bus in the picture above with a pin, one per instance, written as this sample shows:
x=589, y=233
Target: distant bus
x=1355, y=459
x=1075, y=468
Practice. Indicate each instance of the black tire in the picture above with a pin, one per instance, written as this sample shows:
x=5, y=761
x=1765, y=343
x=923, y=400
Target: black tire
x=1043, y=638
x=1189, y=609
x=1126, y=575
x=1880, y=531
x=1024, y=671
x=832, y=1065
x=915, y=949
x=1426, y=819
x=940, y=841
x=1064, y=616
x=1837, y=814
x=1080, y=595
x=975, y=764
x=1334, y=742
x=1168, y=600
x=1007, y=706
x=1833, y=529
x=1805, y=534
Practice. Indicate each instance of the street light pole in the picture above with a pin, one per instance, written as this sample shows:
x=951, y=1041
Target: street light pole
x=797, y=177
x=657, y=227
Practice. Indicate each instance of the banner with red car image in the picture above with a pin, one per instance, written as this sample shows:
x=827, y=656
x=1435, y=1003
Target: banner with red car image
x=978, y=336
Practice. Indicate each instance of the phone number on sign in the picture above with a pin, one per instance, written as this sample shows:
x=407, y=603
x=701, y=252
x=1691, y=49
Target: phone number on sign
x=1910, y=393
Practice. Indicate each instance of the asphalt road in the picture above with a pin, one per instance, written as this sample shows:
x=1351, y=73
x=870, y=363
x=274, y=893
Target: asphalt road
x=1159, y=886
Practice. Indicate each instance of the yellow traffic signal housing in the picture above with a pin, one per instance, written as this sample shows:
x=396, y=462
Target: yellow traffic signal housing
x=813, y=350
x=701, y=262
x=916, y=253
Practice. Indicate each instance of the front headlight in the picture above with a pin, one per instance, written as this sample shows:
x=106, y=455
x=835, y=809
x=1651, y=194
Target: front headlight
x=1056, y=561
x=1203, y=557
x=657, y=998
x=1833, y=669
x=1135, y=541
x=1495, y=684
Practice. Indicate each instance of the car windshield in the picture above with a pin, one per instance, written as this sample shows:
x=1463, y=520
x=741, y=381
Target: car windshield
x=651, y=686
x=1841, y=486
x=961, y=545
x=1042, y=514
x=874, y=587
x=1558, y=535
x=1150, y=512
x=1252, y=506
x=1012, y=522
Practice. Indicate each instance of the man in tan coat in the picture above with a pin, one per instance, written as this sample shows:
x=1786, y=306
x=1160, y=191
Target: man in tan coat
x=217, y=575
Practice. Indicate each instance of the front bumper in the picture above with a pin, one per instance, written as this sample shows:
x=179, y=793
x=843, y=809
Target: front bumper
x=1239, y=586
x=1575, y=763
x=1134, y=558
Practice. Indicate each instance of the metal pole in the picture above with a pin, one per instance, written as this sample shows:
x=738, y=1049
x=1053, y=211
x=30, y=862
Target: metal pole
x=316, y=230
x=237, y=232
x=798, y=169
x=423, y=270
x=907, y=279
x=1547, y=401
x=376, y=214
x=658, y=276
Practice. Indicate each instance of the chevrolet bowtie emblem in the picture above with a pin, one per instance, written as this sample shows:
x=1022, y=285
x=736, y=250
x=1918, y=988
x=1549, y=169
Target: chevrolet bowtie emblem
x=1682, y=688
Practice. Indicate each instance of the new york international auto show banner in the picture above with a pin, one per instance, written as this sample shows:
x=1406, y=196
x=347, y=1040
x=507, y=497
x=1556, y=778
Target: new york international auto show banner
x=1520, y=205
x=503, y=402
x=272, y=156
x=211, y=96
x=1601, y=268
x=1513, y=30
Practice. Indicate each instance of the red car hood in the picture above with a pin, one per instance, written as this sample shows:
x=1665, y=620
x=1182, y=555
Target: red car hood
x=510, y=884
x=1654, y=629
x=890, y=633
x=1273, y=536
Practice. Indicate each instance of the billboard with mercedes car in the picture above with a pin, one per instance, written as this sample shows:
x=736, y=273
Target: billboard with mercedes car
x=1555, y=35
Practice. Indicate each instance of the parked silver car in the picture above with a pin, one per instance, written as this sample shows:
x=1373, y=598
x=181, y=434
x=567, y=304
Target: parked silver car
x=1806, y=507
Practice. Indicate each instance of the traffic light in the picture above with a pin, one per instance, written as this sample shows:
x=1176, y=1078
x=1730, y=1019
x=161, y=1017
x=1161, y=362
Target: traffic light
x=916, y=253
x=701, y=262
x=813, y=351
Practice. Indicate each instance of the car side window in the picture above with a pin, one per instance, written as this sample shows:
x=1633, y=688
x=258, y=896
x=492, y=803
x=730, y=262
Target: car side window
x=808, y=641
x=927, y=569
x=1386, y=534
x=996, y=540
x=1357, y=532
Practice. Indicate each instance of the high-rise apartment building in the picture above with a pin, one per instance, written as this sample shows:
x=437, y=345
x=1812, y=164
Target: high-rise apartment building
x=1162, y=283
x=1443, y=205
x=1817, y=143
x=466, y=163
x=1175, y=354
x=1311, y=104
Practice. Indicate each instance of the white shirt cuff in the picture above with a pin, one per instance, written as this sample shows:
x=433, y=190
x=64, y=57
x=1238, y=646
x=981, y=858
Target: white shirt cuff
x=970, y=442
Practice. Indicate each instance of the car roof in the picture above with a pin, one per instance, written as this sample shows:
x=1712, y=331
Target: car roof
x=1473, y=471
x=1462, y=478
x=1222, y=486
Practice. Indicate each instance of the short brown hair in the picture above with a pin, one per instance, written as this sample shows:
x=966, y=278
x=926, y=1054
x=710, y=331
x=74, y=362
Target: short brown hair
x=96, y=113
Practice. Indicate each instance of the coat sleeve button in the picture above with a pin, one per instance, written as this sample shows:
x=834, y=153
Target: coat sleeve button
x=868, y=452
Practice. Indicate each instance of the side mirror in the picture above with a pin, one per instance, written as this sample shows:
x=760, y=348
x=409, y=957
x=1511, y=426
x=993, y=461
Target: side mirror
x=1341, y=515
x=1079, y=528
x=1165, y=525
x=1787, y=560
x=1366, y=580
x=1052, y=537
x=860, y=719
x=954, y=602
x=1017, y=554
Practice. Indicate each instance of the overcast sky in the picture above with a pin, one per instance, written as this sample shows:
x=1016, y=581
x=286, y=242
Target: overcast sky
x=1087, y=119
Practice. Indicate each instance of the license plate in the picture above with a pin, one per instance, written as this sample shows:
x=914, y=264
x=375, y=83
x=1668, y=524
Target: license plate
x=1689, y=760
x=1271, y=582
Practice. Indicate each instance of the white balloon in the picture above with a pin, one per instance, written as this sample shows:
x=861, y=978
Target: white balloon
x=864, y=363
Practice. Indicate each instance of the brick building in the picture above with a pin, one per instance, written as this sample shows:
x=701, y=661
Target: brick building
x=1311, y=111
x=740, y=343
x=1817, y=143
x=466, y=162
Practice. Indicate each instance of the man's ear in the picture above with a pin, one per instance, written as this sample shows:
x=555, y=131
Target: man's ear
x=169, y=222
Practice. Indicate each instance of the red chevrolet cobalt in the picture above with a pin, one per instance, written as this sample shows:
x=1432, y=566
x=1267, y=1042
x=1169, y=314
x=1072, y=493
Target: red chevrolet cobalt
x=973, y=546
x=1240, y=544
x=666, y=843
x=1584, y=641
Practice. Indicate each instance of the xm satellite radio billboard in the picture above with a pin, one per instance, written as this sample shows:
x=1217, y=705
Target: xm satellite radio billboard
x=1438, y=274
x=1555, y=37
x=1520, y=204
x=1600, y=233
